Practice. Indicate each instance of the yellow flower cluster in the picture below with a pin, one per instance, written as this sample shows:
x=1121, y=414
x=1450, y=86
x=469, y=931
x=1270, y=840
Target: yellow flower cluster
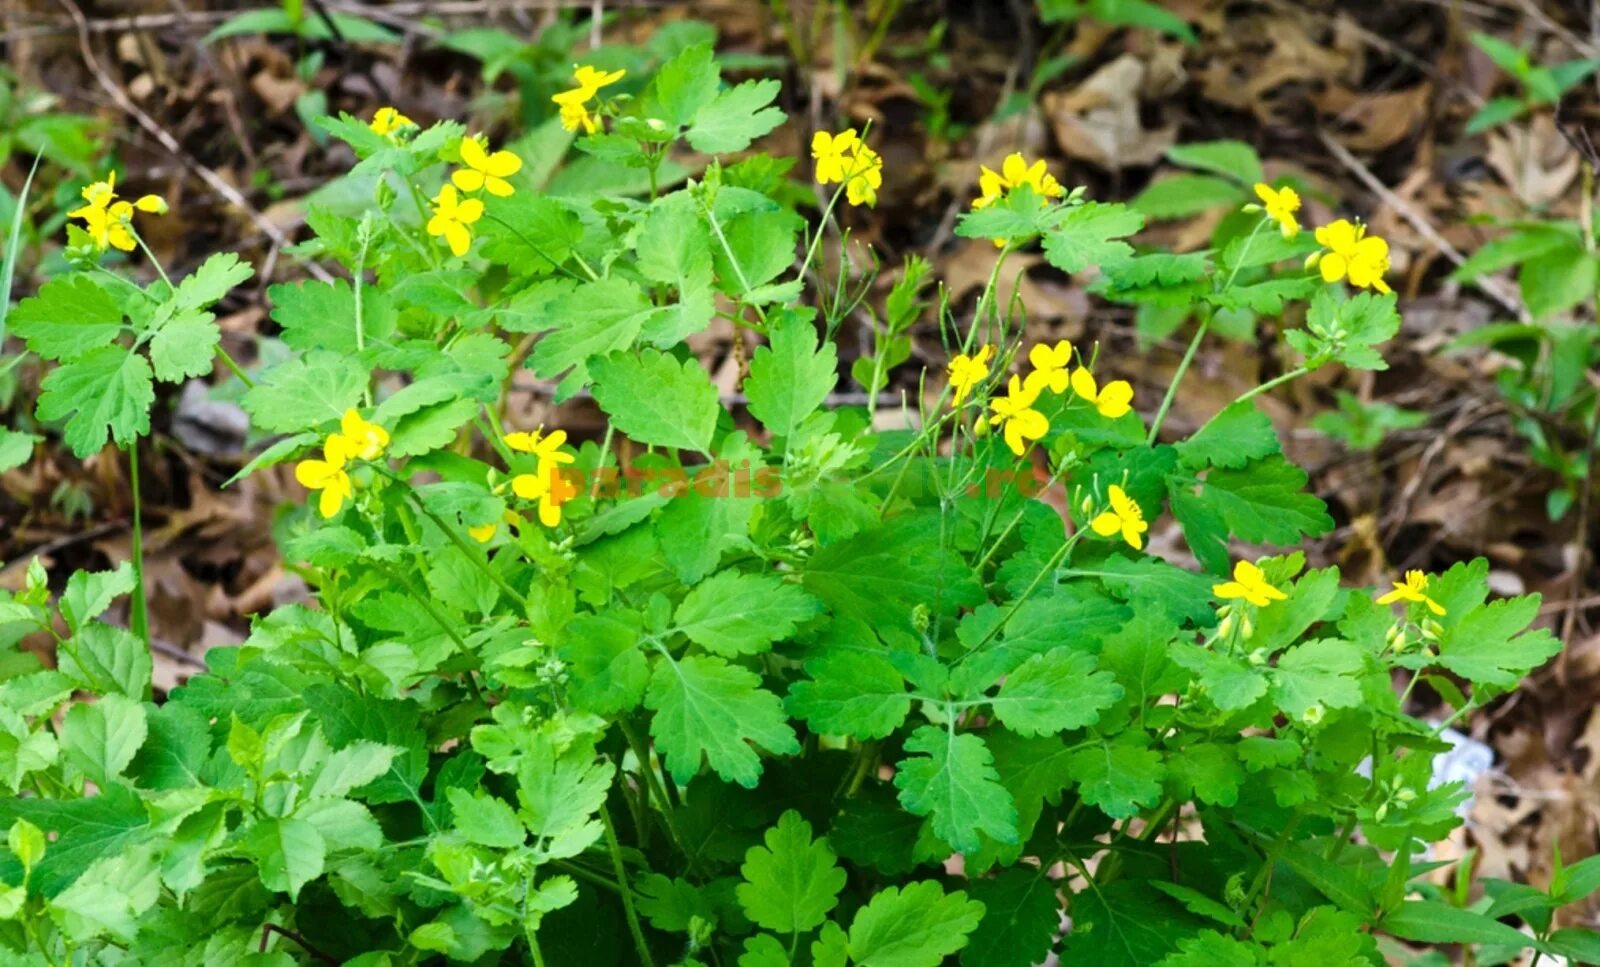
x=1352, y=254
x=844, y=158
x=388, y=122
x=108, y=221
x=574, y=103
x=1348, y=251
x=1052, y=370
x=1014, y=172
x=357, y=439
x=547, y=485
x=454, y=216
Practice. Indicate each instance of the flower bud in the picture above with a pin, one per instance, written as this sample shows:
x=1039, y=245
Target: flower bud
x=1381, y=811
x=1313, y=713
x=1406, y=795
x=921, y=618
x=1225, y=627
x=1432, y=629
x=1246, y=627
x=1312, y=260
x=980, y=428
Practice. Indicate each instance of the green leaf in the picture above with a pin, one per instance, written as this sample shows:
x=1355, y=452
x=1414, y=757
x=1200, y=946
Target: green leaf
x=1089, y=234
x=743, y=614
x=1492, y=644
x=1234, y=437
x=289, y=853
x=917, y=925
x=1180, y=595
x=108, y=660
x=1017, y=217
x=1181, y=196
x=1578, y=945
x=215, y=278
x=657, y=400
x=707, y=707
x=305, y=392
x=1321, y=672
x=184, y=346
x=352, y=767
x=1347, y=330
x=89, y=593
x=99, y=739
x=86, y=830
x=1265, y=502
x=323, y=315
x=1265, y=298
x=1338, y=883
x=736, y=117
x=609, y=673
x=764, y=950
x=792, y=376
x=106, y=391
x=792, y=882
x=950, y=777
x=1231, y=159
x=594, y=318
x=16, y=448
x=1120, y=777
x=1429, y=921
x=485, y=819
x=1123, y=924
x=1055, y=692
x=1556, y=281
x=1020, y=919
x=854, y=693
x=675, y=249
x=683, y=86
x=69, y=317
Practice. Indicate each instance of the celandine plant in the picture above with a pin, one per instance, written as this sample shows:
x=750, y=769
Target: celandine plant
x=883, y=706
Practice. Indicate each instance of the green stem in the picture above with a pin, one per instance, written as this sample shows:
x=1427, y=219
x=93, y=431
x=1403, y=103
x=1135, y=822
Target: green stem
x=625, y=890
x=1268, y=386
x=641, y=751
x=140, y=616
x=449, y=532
x=1177, y=378
x=235, y=368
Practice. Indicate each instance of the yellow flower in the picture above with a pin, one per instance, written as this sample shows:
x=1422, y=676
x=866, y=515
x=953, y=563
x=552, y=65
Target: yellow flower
x=328, y=475
x=574, y=114
x=484, y=170
x=832, y=154
x=1015, y=412
x=1280, y=205
x=1250, y=584
x=108, y=221
x=588, y=82
x=866, y=177
x=484, y=533
x=1015, y=171
x=1115, y=399
x=1124, y=517
x=1413, y=589
x=968, y=371
x=546, y=448
x=388, y=120
x=549, y=487
x=1352, y=254
x=451, y=216
x=99, y=194
x=1050, y=365
x=366, y=440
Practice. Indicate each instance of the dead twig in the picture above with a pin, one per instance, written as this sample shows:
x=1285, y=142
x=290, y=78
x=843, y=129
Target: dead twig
x=1418, y=221
x=165, y=138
